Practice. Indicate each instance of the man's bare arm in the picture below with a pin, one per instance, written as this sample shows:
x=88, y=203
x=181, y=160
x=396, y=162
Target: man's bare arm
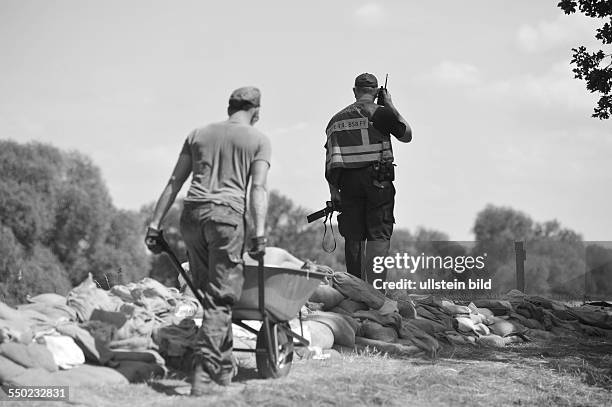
x=407, y=136
x=259, y=195
x=182, y=169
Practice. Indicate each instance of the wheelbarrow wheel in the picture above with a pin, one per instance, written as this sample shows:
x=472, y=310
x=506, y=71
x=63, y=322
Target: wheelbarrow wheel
x=271, y=366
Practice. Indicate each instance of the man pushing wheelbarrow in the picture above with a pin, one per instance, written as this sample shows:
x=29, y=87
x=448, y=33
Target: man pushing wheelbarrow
x=225, y=158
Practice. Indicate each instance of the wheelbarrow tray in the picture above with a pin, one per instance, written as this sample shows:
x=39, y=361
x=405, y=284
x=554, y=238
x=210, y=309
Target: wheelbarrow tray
x=286, y=291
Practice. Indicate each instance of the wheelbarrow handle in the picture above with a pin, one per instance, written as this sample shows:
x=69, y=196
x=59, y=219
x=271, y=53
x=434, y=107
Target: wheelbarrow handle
x=165, y=247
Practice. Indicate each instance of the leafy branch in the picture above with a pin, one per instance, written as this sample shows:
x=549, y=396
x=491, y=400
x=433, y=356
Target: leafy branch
x=590, y=66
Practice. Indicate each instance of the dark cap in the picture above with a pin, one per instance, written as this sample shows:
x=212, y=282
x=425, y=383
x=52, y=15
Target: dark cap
x=247, y=95
x=366, y=80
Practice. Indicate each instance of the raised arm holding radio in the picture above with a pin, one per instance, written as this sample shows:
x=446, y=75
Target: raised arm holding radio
x=359, y=169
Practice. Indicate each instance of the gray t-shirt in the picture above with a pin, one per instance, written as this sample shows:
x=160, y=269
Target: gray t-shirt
x=221, y=156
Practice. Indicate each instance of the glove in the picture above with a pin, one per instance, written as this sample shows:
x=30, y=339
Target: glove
x=154, y=240
x=258, y=247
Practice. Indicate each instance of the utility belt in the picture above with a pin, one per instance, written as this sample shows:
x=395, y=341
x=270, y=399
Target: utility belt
x=383, y=171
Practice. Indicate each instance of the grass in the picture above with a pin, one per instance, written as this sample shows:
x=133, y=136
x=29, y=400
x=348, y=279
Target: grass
x=558, y=373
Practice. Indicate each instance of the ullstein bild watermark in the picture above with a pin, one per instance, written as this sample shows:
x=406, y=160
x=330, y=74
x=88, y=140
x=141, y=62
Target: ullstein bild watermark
x=422, y=262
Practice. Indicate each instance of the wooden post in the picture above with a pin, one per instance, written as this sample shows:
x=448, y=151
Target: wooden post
x=521, y=255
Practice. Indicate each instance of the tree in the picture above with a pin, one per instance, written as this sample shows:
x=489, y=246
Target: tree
x=591, y=66
x=121, y=257
x=496, y=229
x=555, y=255
x=58, y=223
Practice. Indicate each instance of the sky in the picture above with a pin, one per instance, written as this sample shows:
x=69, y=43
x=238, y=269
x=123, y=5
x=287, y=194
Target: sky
x=486, y=86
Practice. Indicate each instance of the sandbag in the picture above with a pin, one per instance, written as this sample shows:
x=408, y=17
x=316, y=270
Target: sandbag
x=409, y=331
x=132, y=344
x=539, y=334
x=498, y=307
x=394, y=320
x=458, y=339
x=321, y=335
x=389, y=307
x=87, y=375
x=9, y=369
x=342, y=330
x=389, y=348
x=533, y=324
x=118, y=319
x=140, y=323
x=37, y=376
x=406, y=309
x=138, y=372
x=65, y=351
x=352, y=306
x=479, y=318
x=86, y=297
x=374, y=330
x=353, y=322
x=503, y=327
x=33, y=355
x=594, y=318
x=358, y=290
x=455, y=309
x=54, y=312
x=465, y=324
x=95, y=349
x=492, y=340
x=327, y=295
x=9, y=313
x=15, y=331
x=429, y=326
x=341, y=311
x=482, y=311
x=481, y=329
x=435, y=313
x=48, y=298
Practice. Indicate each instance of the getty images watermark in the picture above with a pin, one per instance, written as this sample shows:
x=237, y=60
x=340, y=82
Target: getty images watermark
x=407, y=264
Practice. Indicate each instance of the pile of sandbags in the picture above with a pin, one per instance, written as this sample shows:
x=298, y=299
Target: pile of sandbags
x=115, y=329
x=422, y=321
x=357, y=315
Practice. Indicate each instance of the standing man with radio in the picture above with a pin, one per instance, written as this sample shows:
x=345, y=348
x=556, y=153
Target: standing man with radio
x=225, y=158
x=360, y=172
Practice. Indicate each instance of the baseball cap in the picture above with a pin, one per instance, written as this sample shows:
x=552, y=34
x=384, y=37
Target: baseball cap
x=245, y=95
x=366, y=80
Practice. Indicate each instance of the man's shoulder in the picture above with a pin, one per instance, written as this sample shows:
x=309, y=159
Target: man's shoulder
x=203, y=130
x=342, y=113
x=345, y=110
x=209, y=127
x=251, y=133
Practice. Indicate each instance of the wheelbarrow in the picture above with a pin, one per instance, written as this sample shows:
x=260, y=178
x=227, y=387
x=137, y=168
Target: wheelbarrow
x=273, y=295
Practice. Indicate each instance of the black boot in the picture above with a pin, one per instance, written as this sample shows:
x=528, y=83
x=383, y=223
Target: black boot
x=354, y=256
x=375, y=248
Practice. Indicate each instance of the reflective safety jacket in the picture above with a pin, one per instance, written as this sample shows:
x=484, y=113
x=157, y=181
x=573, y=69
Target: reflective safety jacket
x=353, y=142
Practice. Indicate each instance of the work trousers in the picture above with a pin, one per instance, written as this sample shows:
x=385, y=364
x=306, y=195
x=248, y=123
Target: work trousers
x=366, y=221
x=214, y=236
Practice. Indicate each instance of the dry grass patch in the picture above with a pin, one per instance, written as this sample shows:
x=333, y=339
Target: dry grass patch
x=559, y=374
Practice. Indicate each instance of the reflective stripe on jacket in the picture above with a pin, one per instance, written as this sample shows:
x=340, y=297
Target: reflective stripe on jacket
x=353, y=142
